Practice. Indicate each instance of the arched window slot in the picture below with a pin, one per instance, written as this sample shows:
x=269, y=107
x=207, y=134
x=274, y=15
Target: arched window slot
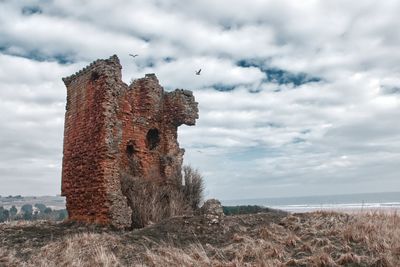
x=130, y=149
x=153, y=139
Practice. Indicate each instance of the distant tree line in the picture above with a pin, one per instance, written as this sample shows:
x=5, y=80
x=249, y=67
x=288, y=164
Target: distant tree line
x=29, y=213
x=13, y=197
x=247, y=209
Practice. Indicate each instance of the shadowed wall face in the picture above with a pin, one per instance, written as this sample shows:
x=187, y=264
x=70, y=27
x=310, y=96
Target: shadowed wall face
x=113, y=129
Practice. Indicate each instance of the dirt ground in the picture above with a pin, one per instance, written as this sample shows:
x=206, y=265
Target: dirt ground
x=264, y=239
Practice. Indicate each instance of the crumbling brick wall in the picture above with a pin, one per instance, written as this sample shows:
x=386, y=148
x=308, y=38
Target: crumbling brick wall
x=112, y=128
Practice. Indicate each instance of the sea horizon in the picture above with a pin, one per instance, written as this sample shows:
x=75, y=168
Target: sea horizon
x=339, y=202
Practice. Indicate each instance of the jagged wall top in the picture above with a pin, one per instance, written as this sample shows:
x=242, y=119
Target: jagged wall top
x=92, y=66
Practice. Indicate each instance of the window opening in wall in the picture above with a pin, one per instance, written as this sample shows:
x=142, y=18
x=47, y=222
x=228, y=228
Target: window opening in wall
x=153, y=139
x=130, y=149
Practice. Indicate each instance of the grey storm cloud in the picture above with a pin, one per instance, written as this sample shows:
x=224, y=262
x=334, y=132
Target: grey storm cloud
x=295, y=98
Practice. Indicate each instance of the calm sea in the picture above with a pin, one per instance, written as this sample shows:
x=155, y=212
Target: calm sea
x=350, y=202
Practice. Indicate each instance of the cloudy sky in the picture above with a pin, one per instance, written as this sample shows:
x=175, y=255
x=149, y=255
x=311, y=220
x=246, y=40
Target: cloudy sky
x=296, y=97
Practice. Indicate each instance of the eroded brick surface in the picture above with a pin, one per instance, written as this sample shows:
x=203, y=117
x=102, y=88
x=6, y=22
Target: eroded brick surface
x=113, y=129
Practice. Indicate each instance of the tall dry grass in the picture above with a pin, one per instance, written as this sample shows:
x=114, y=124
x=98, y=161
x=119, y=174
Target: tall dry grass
x=380, y=233
x=81, y=250
x=8, y=258
x=315, y=239
x=363, y=239
x=153, y=200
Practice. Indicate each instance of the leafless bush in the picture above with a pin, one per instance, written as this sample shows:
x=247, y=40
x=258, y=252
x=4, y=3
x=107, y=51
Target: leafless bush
x=153, y=200
x=194, y=187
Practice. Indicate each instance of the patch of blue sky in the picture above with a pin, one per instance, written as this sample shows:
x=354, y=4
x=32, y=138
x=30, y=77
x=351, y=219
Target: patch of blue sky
x=31, y=10
x=279, y=76
x=223, y=87
x=37, y=55
x=298, y=140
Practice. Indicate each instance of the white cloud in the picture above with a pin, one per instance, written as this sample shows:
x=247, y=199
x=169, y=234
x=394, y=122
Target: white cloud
x=214, y=71
x=333, y=136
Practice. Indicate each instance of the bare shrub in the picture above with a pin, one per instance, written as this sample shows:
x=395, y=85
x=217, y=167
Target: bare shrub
x=193, y=188
x=154, y=200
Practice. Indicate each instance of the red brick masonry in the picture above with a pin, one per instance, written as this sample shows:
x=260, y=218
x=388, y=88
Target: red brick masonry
x=111, y=129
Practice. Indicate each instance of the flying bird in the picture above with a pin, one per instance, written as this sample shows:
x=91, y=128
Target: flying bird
x=198, y=72
x=135, y=55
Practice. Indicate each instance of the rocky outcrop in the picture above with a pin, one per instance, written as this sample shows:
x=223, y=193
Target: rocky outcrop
x=212, y=210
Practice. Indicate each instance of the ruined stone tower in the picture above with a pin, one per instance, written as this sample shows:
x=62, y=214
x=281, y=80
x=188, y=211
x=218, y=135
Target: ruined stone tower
x=109, y=127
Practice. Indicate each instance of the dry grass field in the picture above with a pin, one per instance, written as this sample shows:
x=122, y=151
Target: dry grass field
x=267, y=239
